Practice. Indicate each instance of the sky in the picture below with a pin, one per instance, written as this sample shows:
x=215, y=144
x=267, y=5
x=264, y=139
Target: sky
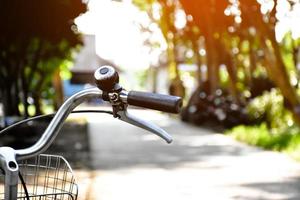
x=288, y=19
x=118, y=37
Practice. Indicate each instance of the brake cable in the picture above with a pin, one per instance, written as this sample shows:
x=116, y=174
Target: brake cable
x=50, y=116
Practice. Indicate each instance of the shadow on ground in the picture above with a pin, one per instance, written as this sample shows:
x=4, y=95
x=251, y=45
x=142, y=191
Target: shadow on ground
x=285, y=190
x=128, y=146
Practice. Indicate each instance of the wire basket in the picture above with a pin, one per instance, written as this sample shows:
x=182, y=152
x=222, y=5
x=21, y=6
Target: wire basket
x=46, y=177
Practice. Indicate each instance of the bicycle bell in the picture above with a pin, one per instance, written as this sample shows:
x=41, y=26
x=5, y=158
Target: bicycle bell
x=107, y=79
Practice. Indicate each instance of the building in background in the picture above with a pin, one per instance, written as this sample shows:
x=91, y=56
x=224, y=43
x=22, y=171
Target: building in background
x=87, y=61
x=85, y=64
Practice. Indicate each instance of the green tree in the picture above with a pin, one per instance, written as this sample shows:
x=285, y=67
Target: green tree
x=238, y=36
x=275, y=66
x=36, y=39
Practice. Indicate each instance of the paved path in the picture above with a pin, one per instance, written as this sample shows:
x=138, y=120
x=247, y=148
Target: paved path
x=132, y=164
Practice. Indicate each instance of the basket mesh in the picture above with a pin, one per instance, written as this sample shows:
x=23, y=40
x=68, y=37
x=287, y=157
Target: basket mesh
x=46, y=177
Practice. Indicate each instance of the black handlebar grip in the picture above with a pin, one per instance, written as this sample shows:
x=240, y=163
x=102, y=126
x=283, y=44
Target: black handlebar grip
x=161, y=102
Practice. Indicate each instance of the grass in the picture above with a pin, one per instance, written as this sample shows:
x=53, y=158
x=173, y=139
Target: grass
x=287, y=141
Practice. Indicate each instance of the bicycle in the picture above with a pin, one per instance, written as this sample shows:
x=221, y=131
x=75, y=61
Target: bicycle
x=29, y=174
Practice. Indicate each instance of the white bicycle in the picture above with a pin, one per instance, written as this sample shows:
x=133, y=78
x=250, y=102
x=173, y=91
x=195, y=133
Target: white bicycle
x=29, y=174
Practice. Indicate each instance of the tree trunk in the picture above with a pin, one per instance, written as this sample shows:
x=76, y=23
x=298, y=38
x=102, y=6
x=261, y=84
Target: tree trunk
x=37, y=103
x=196, y=49
x=231, y=69
x=36, y=95
x=10, y=100
x=278, y=74
x=57, y=84
x=253, y=60
x=212, y=63
x=25, y=94
x=203, y=18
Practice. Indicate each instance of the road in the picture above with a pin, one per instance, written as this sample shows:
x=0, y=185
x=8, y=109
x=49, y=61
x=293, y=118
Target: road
x=130, y=163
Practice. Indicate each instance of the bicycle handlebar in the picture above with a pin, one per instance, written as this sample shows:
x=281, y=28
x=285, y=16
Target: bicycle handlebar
x=161, y=102
x=57, y=122
x=118, y=97
x=107, y=81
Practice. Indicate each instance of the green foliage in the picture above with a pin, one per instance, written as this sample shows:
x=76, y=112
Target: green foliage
x=250, y=52
x=288, y=140
x=278, y=131
x=224, y=77
x=270, y=108
x=65, y=66
x=143, y=4
x=37, y=39
x=142, y=77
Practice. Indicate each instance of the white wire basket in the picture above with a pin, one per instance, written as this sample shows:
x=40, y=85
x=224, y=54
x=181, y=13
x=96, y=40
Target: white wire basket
x=45, y=177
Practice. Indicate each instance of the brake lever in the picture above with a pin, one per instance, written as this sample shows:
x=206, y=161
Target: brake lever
x=149, y=126
x=107, y=80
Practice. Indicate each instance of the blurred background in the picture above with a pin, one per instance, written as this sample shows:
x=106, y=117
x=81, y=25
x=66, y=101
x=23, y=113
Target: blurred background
x=236, y=64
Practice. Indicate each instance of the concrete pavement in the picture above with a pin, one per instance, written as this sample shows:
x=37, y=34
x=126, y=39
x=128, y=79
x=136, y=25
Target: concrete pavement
x=130, y=163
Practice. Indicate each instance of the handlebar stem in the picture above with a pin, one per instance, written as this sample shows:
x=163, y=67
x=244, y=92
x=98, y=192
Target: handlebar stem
x=57, y=122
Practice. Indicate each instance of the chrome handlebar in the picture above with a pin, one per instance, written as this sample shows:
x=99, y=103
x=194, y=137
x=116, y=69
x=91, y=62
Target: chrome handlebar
x=120, y=109
x=107, y=81
x=57, y=122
